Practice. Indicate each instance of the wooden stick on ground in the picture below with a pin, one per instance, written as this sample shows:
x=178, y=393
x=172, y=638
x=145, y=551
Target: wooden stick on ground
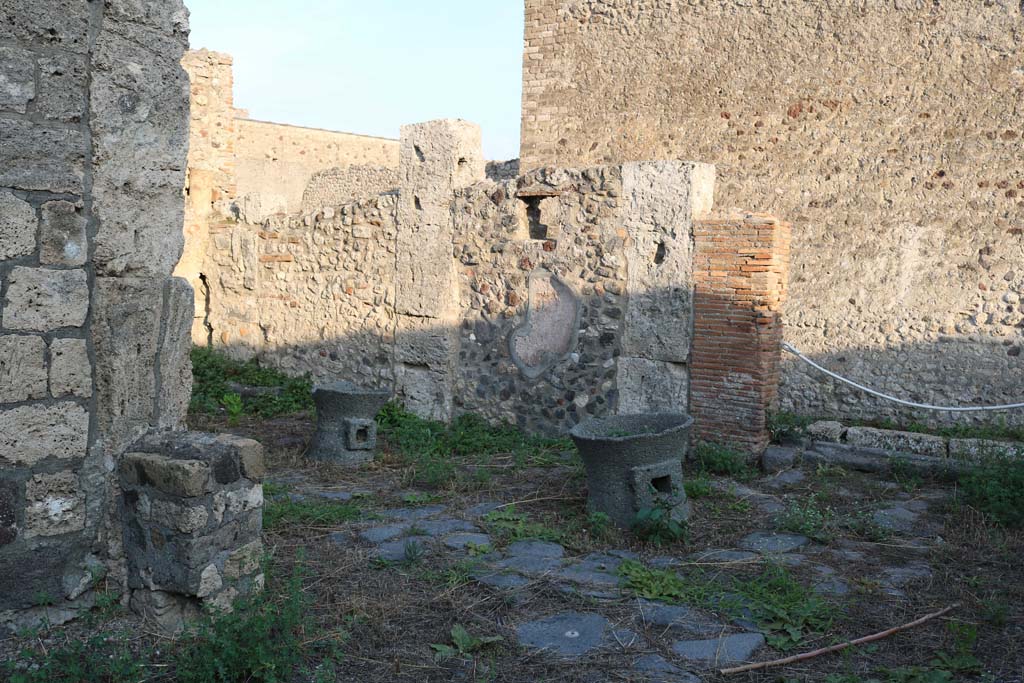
x=840, y=646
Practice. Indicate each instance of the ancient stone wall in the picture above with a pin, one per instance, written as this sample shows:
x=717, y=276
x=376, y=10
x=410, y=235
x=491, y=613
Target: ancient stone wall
x=93, y=329
x=889, y=133
x=560, y=294
x=338, y=186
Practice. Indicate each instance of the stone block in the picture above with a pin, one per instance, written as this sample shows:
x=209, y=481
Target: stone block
x=22, y=368
x=238, y=501
x=70, y=368
x=17, y=79
x=250, y=455
x=187, y=478
x=982, y=449
x=179, y=516
x=10, y=505
x=55, y=505
x=650, y=386
x=17, y=226
x=62, y=235
x=778, y=458
x=60, y=24
x=826, y=430
x=423, y=391
x=41, y=299
x=167, y=611
x=424, y=341
x=29, y=434
x=33, y=157
x=139, y=104
x=175, y=388
x=125, y=336
x=892, y=440
x=63, y=85
x=244, y=560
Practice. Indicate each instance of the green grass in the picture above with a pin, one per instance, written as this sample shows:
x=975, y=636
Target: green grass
x=281, y=512
x=509, y=526
x=211, y=372
x=809, y=518
x=997, y=489
x=713, y=458
x=435, y=451
x=786, y=611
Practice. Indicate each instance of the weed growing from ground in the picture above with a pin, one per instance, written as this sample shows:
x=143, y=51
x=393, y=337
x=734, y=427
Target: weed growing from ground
x=784, y=609
x=280, y=512
x=715, y=458
x=809, y=518
x=656, y=525
x=463, y=644
x=510, y=526
x=785, y=426
x=435, y=450
x=104, y=658
x=698, y=487
x=211, y=372
x=997, y=489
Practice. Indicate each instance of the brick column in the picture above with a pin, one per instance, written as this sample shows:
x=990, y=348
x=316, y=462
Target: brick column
x=741, y=264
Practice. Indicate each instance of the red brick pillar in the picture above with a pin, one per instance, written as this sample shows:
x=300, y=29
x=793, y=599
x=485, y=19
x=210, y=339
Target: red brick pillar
x=741, y=265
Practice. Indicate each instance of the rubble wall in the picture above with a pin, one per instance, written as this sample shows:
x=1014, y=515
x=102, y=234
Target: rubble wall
x=889, y=134
x=93, y=328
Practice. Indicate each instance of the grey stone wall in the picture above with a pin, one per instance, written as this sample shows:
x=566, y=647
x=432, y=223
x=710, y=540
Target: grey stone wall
x=93, y=331
x=539, y=300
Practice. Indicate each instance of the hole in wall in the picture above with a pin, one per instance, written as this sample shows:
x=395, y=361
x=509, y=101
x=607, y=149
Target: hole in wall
x=417, y=202
x=362, y=434
x=662, y=484
x=419, y=153
x=659, y=254
x=462, y=161
x=537, y=230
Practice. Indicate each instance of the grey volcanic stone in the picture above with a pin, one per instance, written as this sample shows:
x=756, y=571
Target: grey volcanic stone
x=481, y=509
x=569, y=634
x=501, y=580
x=684, y=621
x=536, y=549
x=387, y=532
x=634, y=462
x=346, y=432
x=767, y=542
x=723, y=556
x=657, y=668
x=529, y=564
x=412, y=514
x=401, y=549
x=339, y=496
x=461, y=541
x=441, y=527
x=785, y=478
x=778, y=458
x=832, y=586
x=727, y=650
x=897, y=518
x=594, y=569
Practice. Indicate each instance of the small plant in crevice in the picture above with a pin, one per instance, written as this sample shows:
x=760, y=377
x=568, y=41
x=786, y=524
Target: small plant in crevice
x=698, y=487
x=784, y=426
x=509, y=525
x=809, y=518
x=283, y=511
x=600, y=525
x=463, y=644
x=657, y=525
x=232, y=403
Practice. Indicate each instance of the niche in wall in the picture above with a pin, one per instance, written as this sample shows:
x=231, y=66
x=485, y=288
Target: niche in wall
x=538, y=217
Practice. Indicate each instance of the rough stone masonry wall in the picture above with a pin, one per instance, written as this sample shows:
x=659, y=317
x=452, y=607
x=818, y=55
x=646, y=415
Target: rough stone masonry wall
x=889, y=133
x=338, y=186
x=93, y=330
x=541, y=300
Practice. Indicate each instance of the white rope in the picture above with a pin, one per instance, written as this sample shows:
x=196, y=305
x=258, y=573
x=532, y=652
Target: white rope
x=955, y=409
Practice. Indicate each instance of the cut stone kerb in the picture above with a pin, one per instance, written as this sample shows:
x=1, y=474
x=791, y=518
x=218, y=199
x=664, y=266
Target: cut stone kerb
x=346, y=432
x=634, y=462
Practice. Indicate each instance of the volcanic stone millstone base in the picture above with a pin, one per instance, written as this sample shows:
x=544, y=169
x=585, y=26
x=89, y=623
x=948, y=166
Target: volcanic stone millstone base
x=634, y=462
x=346, y=432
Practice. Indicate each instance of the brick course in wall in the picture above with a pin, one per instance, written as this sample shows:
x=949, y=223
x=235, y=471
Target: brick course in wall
x=740, y=272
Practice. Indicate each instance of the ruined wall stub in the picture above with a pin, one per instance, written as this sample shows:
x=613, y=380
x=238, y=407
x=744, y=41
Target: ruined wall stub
x=93, y=329
x=888, y=133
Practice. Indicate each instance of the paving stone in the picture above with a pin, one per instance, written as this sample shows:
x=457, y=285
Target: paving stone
x=778, y=458
x=898, y=519
x=786, y=478
x=413, y=514
x=663, y=562
x=594, y=569
x=717, y=555
x=536, y=549
x=832, y=586
x=574, y=589
x=441, y=527
x=767, y=542
x=529, y=564
x=481, y=509
x=894, y=579
x=462, y=541
x=727, y=650
x=400, y=550
x=626, y=638
x=387, y=532
x=500, y=580
x=657, y=668
x=339, y=538
x=623, y=554
x=569, y=634
x=337, y=496
x=680, y=620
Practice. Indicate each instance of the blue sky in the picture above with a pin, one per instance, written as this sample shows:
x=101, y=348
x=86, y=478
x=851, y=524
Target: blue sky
x=368, y=67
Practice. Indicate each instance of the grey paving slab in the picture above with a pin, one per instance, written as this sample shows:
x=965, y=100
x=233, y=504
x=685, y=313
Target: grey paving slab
x=569, y=634
x=725, y=651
